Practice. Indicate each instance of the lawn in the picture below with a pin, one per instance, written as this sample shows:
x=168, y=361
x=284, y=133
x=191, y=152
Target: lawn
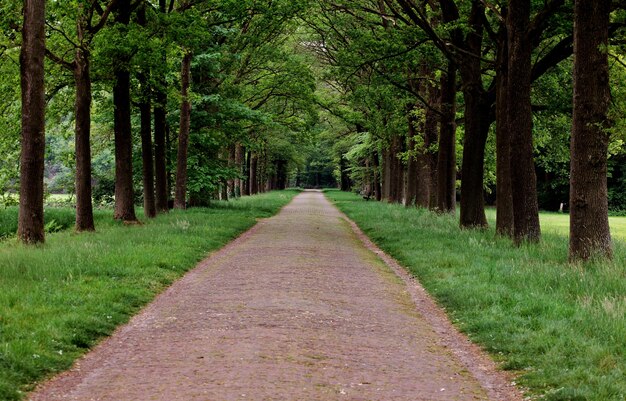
x=558, y=223
x=560, y=328
x=58, y=300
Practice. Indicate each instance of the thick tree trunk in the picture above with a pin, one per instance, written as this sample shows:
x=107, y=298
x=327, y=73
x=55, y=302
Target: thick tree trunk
x=504, y=200
x=160, y=161
x=246, y=181
x=477, y=122
x=412, y=165
x=589, y=224
x=446, y=161
x=239, y=160
x=183, y=136
x=31, y=223
x=160, y=132
x=147, y=158
x=149, y=203
x=520, y=122
x=386, y=174
x=231, y=164
x=396, y=171
x=124, y=191
x=430, y=134
x=472, y=172
x=378, y=192
x=253, y=177
x=82, y=134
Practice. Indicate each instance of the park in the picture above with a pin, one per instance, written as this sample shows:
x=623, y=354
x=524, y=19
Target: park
x=313, y=200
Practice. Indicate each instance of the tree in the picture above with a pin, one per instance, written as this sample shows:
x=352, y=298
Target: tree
x=124, y=188
x=589, y=223
x=519, y=122
x=31, y=224
x=183, y=135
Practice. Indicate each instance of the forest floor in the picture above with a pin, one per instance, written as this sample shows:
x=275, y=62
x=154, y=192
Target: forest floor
x=299, y=307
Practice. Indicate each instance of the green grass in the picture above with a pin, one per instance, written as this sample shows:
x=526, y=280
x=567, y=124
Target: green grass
x=59, y=299
x=558, y=223
x=561, y=328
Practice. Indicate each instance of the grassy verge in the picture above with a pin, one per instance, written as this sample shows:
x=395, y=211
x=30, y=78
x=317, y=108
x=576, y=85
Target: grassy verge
x=58, y=300
x=561, y=328
x=558, y=223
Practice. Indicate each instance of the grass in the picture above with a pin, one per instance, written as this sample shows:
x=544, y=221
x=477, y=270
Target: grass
x=561, y=328
x=58, y=300
x=558, y=223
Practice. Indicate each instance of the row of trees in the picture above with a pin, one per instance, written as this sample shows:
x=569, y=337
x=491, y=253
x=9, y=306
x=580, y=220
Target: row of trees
x=222, y=74
x=412, y=74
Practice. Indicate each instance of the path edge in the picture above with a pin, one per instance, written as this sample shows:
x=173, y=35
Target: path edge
x=48, y=387
x=498, y=384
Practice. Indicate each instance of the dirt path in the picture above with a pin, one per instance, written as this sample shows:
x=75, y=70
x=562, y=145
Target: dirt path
x=295, y=309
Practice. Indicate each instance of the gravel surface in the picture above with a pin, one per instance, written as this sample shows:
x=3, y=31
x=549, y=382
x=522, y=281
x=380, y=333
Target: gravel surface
x=298, y=308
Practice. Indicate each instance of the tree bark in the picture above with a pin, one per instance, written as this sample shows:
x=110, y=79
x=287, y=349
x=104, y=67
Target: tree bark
x=378, y=192
x=504, y=200
x=477, y=122
x=253, y=177
x=589, y=225
x=124, y=191
x=520, y=123
x=412, y=165
x=231, y=164
x=446, y=161
x=430, y=134
x=149, y=203
x=246, y=181
x=31, y=220
x=183, y=136
x=82, y=134
x=239, y=156
x=147, y=158
x=386, y=174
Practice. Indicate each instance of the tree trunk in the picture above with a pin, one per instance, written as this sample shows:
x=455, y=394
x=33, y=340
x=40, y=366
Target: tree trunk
x=412, y=165
x=183, y=136
x=430, y=134
x=504, y=200
x=231, y=165
x=145, y=110
x=149, y=203
x=386, y=174
x=239, y=165
x=378, y=192
x=446, y=161
x=520, y=122
x=82, y=134
x=253, y=177
x=477, y=122
x=31, y=223
x=472, y=172
x=589, y=224
x=124, y=191
x=246, y=181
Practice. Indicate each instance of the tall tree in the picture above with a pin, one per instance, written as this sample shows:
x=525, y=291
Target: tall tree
x=31, y=224
x=160, y=133
x=183, y=135
x=124, y=190
x=519, y=122
x=145, y=110
x=589, y=223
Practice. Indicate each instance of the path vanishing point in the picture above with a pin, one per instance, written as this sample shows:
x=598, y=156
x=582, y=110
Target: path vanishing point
x=298, y=308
